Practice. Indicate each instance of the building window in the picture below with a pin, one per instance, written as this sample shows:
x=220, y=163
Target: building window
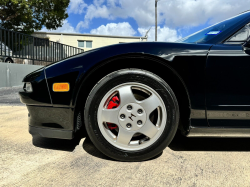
x=80, y=43
x=88, y=44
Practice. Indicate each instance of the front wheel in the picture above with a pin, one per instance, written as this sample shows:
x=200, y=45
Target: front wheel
x=131, y=115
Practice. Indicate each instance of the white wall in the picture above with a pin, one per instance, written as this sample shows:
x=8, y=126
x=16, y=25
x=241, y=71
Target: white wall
x=97, y=41
x=13, y=74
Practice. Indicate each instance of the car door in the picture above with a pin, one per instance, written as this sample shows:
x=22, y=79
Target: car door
x=228, y=82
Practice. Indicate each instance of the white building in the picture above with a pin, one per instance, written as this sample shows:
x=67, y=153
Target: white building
x=87, y=41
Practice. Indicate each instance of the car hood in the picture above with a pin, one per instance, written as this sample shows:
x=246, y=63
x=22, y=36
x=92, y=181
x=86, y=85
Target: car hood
x=166, y=50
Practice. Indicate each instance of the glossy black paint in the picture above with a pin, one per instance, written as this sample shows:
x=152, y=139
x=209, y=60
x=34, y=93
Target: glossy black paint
x=40, y=95
x=227, y=70
x=61, y=99
x=227, y=80
x=188, y=60
x=215, y=77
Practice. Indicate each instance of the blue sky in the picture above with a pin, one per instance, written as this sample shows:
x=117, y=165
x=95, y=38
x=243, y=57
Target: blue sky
x=176, y=18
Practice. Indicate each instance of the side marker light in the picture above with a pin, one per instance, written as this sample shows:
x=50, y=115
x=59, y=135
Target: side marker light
x=61, y=87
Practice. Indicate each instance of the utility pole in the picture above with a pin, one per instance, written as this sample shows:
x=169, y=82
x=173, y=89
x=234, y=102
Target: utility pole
x=156, y=1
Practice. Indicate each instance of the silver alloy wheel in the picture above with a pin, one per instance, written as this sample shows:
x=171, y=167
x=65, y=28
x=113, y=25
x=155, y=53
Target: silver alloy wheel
x=136, y=130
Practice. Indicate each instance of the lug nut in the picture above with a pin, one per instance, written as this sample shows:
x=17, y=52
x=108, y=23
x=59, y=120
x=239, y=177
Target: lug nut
x=139, y=122
x=122, y=116
x=129, y=107
x=140, y=111
x=129, y=125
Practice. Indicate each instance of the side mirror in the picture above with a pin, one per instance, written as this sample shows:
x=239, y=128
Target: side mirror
x=246, y=46
x=240, y=37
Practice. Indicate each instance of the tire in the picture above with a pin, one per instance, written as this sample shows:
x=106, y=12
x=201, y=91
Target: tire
x=8, y=61
x=137, y=129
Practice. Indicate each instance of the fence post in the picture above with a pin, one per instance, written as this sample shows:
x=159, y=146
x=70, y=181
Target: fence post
x=33, y=48
x=1, y=40
x=8, y=43
x=12, y=43
x=33, y=52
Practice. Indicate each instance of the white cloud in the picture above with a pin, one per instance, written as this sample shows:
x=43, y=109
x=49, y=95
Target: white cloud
x=120, y=29
x=163, y=34
x=82, y=24
x=77, y=6
x=172, y=13
x=98, y=2
x=181, y=14
x=178, y=13
x=97, y=11
x=66, y=28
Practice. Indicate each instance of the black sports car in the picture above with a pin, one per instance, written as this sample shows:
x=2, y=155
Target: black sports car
x=131, y=98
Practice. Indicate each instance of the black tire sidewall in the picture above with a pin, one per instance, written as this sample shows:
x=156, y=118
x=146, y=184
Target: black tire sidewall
x=8, y=61
x=120, y=77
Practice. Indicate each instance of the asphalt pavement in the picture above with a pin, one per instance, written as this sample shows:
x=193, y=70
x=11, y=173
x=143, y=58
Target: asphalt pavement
x=36, y=161
x=9, y=96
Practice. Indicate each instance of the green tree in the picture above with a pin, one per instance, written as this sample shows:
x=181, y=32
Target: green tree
x=28, y=16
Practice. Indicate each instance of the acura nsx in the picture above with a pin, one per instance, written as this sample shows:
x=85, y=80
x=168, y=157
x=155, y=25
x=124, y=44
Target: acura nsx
x=131, y=98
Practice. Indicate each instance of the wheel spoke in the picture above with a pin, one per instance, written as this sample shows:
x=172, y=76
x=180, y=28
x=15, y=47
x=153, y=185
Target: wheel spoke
x=149, y=129
x=131, y=116
x=110, y=115
x=124, y=136
x=126, y=95
x=150, y=104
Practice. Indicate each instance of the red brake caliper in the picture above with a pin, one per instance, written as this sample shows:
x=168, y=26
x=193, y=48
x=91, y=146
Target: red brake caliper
x=113, y=103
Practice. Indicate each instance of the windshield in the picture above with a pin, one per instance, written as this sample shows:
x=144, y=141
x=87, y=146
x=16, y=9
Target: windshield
x=207, y=34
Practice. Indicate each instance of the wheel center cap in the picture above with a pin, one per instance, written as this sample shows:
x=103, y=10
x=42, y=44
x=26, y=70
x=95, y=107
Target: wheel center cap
x=132, y=117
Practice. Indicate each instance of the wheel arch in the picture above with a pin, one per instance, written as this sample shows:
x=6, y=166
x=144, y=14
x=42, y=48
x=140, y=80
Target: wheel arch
x=161, y=67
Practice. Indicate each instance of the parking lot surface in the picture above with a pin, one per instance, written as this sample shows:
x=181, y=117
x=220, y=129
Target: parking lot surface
x=27, y=161
x=9, y=96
